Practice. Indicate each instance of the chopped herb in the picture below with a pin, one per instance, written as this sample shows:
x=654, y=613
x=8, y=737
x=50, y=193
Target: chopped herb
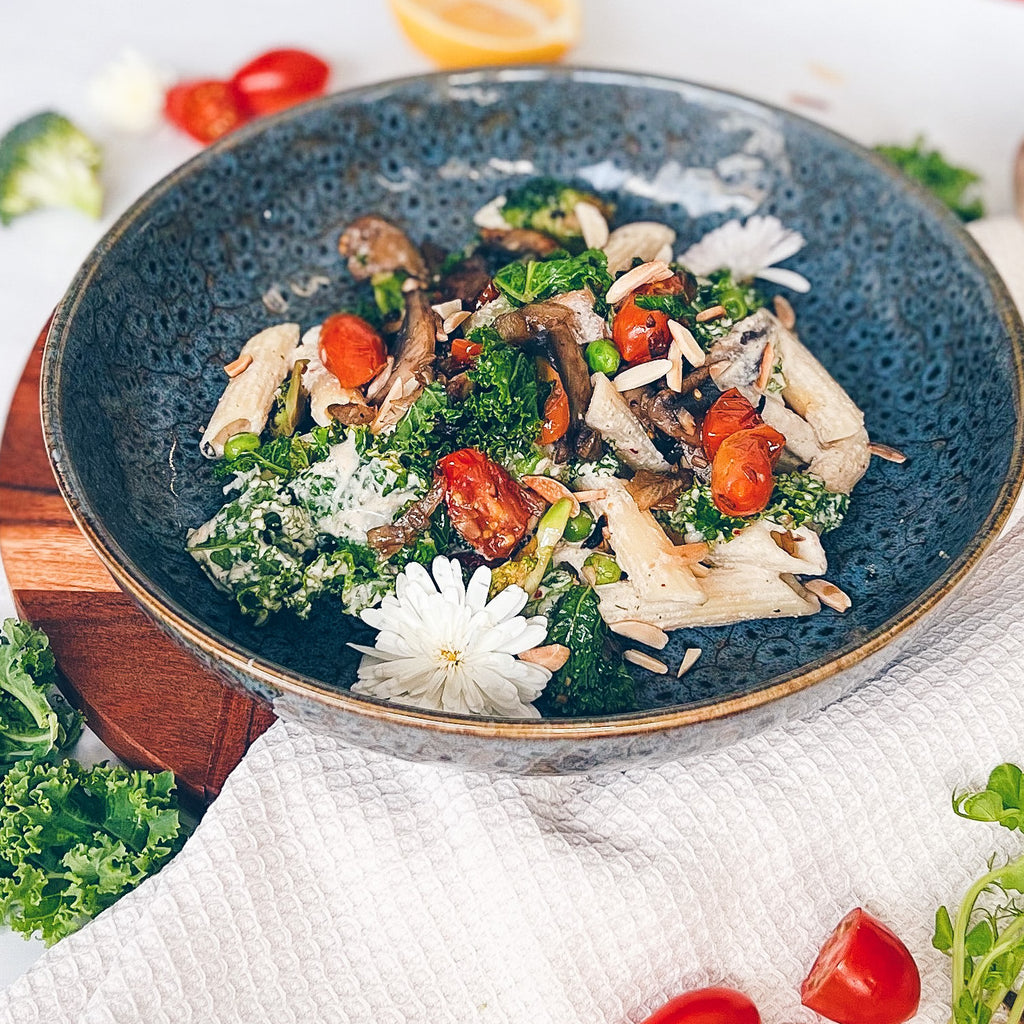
x=950, y=183
x=283, y=456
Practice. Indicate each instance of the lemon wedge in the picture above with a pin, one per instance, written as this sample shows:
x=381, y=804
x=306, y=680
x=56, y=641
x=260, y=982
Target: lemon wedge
x=462, y=33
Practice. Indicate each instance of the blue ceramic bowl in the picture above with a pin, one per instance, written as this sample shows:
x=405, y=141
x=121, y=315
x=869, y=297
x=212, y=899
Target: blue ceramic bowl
x=905, y=311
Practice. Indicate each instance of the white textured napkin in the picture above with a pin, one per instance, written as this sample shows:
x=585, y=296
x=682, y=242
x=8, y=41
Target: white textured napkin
x=332, y=884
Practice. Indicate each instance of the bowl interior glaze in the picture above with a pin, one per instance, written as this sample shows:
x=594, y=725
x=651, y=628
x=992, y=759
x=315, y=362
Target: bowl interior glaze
x=904, y=311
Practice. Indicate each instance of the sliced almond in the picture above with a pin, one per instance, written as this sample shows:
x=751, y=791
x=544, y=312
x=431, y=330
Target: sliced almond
x=593, y=226
x=784, y=312
x=711, y=313
x=378, y=382
x=884, y=451
x=787, y=541
x=643, y=632
x=411, y=284
x=457, y=319
x=597, y=494
x=552, y=490
x=765, y=371
x=655, y=270
x=551, y=656
x=238, y=366
x=646, y=661
x=445, y=309
x=691, y=351
x=829, y=594
x=695, y=552
x=690, y=656
x=641, y=374
x=674, y=377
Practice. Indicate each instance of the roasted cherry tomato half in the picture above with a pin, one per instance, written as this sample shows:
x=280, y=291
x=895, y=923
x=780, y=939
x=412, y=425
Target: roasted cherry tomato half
x=863, y=975
x=205, y=109
x=351, y=349
x=466, y=352
x=278, y=79
x=707, y=1006
x=640, y=334
x=741, y=473
x=486, y=506
x=730, y=413
x=556, y=407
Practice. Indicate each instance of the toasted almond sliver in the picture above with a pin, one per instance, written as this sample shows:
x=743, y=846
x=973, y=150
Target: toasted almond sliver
x=455, y=320
x=411, y=284
x=711, y=313
x=598, y=494
x=787, y=541
x=550, y=656
x=552, y=490
x=690, y=656
x=674, y=377
x=784, y=312
x=829, y=594
x=592, y=225
x=691, y=351
x=378, y=382
x=445, y=309
x=644, y=632
x=641, y=374
x=238, y=366
x=767, y=363
x=655, y=270
x=646, y=661
x=884, y=451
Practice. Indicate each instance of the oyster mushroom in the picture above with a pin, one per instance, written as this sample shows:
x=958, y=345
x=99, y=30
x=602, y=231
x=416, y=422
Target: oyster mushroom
x=374, y=245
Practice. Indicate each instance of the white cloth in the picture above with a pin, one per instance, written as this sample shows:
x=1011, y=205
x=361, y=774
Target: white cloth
x=331, y=884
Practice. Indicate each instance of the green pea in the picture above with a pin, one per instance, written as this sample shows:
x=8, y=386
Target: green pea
x=605, y=569
x=239, y=443
x=579, y=527
x=603, y=357
x=734, y=303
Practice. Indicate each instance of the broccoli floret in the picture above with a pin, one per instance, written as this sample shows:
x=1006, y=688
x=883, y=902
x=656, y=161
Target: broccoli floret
x=47, y=161
x=547, y=204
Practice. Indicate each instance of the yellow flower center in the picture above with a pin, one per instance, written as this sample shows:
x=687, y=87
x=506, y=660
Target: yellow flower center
x=455, y=657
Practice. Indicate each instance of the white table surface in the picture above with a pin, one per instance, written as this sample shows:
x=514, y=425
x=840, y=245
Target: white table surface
x=876, y=70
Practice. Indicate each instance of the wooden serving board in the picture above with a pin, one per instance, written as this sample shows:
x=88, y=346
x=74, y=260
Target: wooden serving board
x=149, y=701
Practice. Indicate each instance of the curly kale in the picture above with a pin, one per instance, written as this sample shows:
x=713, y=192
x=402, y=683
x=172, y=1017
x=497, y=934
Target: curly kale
x=535, y=280
x=594, y=681
x=951, y=184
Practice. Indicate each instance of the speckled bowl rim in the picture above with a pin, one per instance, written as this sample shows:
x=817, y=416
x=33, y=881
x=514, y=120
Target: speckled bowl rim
x=218, y=649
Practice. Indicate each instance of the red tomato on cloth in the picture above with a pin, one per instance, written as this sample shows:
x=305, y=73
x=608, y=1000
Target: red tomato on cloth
x=707, y=1006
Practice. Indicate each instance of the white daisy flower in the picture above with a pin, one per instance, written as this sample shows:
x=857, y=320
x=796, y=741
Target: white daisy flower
x=443, y=646
x=748, y=250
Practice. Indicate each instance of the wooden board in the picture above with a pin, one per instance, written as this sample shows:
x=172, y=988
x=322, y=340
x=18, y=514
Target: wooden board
x=149, y=701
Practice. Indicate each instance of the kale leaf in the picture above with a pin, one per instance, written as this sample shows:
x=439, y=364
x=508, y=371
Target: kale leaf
x=535, y=280
x=951, y=184
x=35, y=720
x=73, y=840
x=594, y=681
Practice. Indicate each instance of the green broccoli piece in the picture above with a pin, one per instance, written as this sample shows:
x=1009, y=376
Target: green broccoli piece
x=950, y=183
x=47, y=161
x=35, y=720
x=547, y=204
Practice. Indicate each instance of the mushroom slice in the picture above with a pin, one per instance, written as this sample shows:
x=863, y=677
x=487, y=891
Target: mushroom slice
x=374, y=245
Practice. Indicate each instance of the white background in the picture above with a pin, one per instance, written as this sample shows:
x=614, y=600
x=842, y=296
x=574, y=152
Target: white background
x=877, y=70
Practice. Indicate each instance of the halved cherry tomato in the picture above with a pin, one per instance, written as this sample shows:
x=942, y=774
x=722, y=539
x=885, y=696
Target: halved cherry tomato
x=640, y=334
x=278, y=79
x=731, y=412
x=351, y=349
x=863, y=975
x=485, y=504
x=206, y=109
x=707, y=1006
x=741, y=473
x=556, y=407
x=466, y=352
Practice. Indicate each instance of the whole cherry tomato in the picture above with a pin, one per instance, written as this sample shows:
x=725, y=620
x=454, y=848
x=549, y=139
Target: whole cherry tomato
x=640, y=334
x=278, y=79
x=466, y=352
x=205, y=109
x=485, y=504
x=731, y=412
x=741, y=473
x=707, y=1006
x=351, y=349
x=556, y=407
x=863, y=975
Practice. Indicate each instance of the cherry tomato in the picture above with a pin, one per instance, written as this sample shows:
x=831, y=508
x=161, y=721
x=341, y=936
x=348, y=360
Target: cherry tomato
x=731, y=412
x=278, y=79
x=465, y=352
x=556, y=408
x=640, y=334
x=485, y=504
x=707, y=1006
x=863, y=975
x=205, y=109
x=351, y=349
x=741, y=473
